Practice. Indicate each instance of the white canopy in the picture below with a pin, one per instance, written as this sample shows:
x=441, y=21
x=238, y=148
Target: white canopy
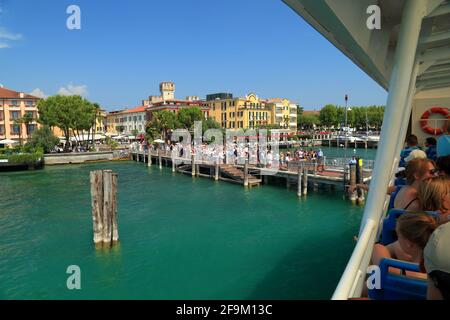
x=8, y=141
x=159, y=141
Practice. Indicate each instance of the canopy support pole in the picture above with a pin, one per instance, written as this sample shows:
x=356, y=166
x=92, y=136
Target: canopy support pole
x=395, y=117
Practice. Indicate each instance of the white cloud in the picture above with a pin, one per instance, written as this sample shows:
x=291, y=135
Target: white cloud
x=5, y=34
x=71, y=90
x=4, y=45
x=38, y=93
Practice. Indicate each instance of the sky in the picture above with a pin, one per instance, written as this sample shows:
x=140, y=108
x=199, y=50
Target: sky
x=124, y=49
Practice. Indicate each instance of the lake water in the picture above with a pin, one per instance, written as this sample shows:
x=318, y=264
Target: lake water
x=180, y=238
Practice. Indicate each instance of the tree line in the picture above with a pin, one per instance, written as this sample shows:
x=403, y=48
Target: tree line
x=333, y=117
x=163, y=122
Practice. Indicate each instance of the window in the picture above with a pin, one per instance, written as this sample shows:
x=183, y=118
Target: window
x=14, y=115
x=15, y=129
x=31, y=128
x=140, y=119
x=14, y=103
x=29, y=103
x=2, y=129
x=2, y=115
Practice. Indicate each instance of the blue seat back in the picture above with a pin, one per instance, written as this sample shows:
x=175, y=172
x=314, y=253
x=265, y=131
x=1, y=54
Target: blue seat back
x=388, y=234
x=400, y=182
x=398, y=286
x=393, y=195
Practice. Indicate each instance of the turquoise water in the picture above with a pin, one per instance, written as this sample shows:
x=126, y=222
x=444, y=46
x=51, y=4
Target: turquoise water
x=180, y=238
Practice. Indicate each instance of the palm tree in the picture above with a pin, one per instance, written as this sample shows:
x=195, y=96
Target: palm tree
x=19, y=122
x=27, y=119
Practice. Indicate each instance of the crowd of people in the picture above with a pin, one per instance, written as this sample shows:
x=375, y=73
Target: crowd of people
x=237, y=153
x=423, y=231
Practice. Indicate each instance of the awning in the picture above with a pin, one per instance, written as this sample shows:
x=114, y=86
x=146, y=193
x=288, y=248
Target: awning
x=8, y=141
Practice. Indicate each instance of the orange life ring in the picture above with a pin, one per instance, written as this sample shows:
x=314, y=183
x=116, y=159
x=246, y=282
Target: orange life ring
x=426, y=115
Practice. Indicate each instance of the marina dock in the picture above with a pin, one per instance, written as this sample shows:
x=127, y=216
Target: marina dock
x=302, y=174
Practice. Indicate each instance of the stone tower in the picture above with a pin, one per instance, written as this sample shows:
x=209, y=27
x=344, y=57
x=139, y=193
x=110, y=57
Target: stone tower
x=167, y=90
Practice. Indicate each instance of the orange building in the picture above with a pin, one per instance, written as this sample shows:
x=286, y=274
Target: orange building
x=13, y=106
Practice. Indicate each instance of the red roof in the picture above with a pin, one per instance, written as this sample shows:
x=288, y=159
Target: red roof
x=11, y=94
x=137, y=109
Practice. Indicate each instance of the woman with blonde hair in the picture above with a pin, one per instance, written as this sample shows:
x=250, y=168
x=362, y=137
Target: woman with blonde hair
x=413, y=230
x=434, y=195
x=417, y=170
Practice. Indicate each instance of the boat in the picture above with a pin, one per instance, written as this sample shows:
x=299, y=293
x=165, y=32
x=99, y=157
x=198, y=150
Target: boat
x=408, y=55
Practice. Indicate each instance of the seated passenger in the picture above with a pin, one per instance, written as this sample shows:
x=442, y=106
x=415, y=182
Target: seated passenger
x=434, y=195
x=413, y=230
x=412, y=144
x=417, y=170
x=431, y=151
x=437, y=263
x=443, y=164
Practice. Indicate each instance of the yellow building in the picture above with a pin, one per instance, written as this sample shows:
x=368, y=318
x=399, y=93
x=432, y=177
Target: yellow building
x=13, y=107
x=239, y=113
x=284, y=113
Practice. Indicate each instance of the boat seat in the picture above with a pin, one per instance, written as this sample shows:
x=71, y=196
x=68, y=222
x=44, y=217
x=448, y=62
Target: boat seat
x=393, y=195
x=398, y=286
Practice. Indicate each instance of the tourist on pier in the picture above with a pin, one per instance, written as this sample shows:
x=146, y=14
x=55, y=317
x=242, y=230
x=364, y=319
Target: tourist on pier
x=320, y=160
x=412, y=144
x=417, y=170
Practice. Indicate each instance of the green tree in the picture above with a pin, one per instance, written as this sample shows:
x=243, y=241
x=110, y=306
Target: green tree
x=210, y=123
x=329, y=116
x=309, y=121
x=187, y=117
x=69, y=113
x=160, y=124
x=43, y=138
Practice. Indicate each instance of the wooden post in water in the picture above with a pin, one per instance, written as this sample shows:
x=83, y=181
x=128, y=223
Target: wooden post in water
x=360, y=192
x=216, y=172
x=149, y=162
x=173, y=165
x=193, y=165
x=315, y=184
x=159, y=158
x=353, y=195
x=104, y=207
x=246, y=173
x=299, y=180
x=305, y=180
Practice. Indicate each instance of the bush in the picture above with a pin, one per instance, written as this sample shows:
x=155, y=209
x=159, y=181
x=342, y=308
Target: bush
x=42, y=139
x=24, y=158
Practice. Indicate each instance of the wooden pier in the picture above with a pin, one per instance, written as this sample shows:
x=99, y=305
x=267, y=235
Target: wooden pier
x=303, y=175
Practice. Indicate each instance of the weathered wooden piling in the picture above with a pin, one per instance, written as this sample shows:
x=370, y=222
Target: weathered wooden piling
x=305, y=180
x=246, y=173
x=216, y=172
x=159, y=159
x=360, y=180
x=193, y=165
x=299, y=181
x=149, y=162
x=104, y=207
x=353, y=194
x=173, y=165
